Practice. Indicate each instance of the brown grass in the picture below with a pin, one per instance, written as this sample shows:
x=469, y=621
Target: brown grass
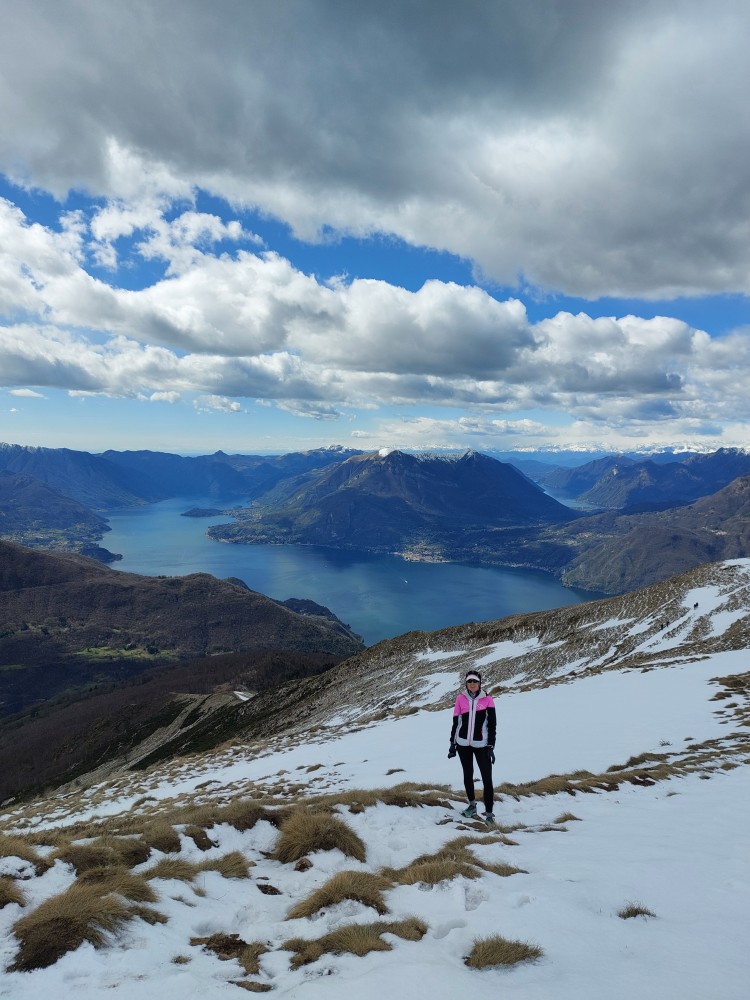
x=566, y=817
x=365, y=887
x=10, y=892
x=173, y=868
x=61, y=924
x=405, y=795
x=104, y=852
x=453, y=860
x=488, y=953
x=433, y=871
x=12, y=846
x=231, y=946
x=199, y=837
x=119, y=880
x=634, y=910
x=161, y=836
x=243, y=815
x=356, y=939
x=305, y=831
x=232, y=865
x=84, y=857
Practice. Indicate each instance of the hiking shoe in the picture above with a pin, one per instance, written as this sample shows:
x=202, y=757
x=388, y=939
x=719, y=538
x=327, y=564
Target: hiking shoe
x=471, y=811
x=489, y=819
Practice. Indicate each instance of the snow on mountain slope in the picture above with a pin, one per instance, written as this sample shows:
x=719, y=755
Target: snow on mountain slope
x=640, y=704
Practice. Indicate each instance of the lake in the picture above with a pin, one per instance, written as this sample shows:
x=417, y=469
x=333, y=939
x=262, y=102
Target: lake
x=377, y=596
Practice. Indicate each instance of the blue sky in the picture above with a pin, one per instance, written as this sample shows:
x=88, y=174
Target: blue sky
x=267, y=227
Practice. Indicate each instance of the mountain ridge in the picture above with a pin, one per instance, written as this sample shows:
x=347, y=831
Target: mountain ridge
x=392, y=501
x=82, y=618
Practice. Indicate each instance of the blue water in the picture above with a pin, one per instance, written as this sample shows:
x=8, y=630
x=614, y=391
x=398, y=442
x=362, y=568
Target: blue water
x=378, y=596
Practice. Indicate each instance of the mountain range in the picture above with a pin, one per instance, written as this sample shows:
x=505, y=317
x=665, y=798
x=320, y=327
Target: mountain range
x=614, y=553
x=620, y=482
x=467, y=507
x=37, y=515
x=391, y=501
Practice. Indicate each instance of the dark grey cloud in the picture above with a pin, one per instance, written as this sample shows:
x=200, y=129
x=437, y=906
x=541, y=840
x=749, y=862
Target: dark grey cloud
x=590, y=147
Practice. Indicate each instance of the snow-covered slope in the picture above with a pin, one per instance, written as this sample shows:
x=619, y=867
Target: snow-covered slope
x=640, y=706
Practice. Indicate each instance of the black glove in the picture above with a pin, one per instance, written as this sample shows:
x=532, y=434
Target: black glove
x=452, y=751
x=491, y=752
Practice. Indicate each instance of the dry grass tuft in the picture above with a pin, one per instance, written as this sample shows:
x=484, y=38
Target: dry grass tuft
x=502, y=869
x=121, y=881
x=61, y=924
x=173, y=868
x=161, y=836
x=231, y=946
x=244, y=815
x=199, y=837
x=232, y=865
x=487, y=953
x=251, y=985
x=635, y=910
x=304, y=832
x=132, y=850
x=10, y=892
x=434, y=871
x=12, y=846
x=453, y=860
x=105, y=852
x=48, y=838
x=567, y=817
x=405, y=795
x=84, y=857
x=365, y=887
x=149, y=916
x=356, y=939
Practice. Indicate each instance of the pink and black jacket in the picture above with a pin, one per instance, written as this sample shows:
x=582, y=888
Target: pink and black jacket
x=474, y=720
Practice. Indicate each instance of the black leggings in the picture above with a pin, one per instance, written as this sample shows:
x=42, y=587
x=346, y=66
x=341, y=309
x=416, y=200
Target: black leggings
x=466, y=755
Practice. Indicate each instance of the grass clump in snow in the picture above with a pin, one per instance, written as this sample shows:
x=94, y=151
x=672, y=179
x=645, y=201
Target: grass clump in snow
x=119, y=880
x=364, y=887
x=10, y=892
x=355, y=939
x=60, y=924
x=243, y=815
x=104, y=852
x=199, y=837
x=162, y=836
x=232, y=865
x=304, y=831
x=173, y=868
x=405, y=795
x=231, y=946
x=453, y=860
x=566, y=817
x=12, y=846
x=634, y=910
x=488, y=953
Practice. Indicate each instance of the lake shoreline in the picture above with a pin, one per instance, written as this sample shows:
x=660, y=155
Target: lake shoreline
x=381, y=595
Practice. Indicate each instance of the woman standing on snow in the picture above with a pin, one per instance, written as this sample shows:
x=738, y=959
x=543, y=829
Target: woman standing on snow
x=473, y=736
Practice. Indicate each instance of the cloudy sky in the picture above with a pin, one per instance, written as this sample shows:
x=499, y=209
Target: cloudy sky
x=258, y=226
